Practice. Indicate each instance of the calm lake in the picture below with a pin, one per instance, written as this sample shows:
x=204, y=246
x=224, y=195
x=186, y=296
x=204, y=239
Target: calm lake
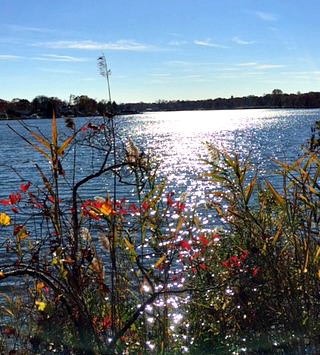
x=177, y=139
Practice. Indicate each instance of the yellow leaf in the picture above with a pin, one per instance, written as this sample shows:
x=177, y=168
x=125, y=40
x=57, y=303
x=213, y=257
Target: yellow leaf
x=54, y=130
x=306, y=262
x=55, y=261
x=40, y=306
x=128, y=244
x=276, y=236
x=317, y=255
x=264, y=249
x=160, y=260
x=275, y=194
x=4, y=219
x=132, y=253
x=248, y=190
x=45, y=181
x=30, y=143
x=40, y=151
x=64, y=145
x=2, y=275
x=179, y=224
x=313, y=190
x=40, y=140
x=22, y=234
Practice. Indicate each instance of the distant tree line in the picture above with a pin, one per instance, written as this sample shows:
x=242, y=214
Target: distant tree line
x=41, y=106
x=277, y=99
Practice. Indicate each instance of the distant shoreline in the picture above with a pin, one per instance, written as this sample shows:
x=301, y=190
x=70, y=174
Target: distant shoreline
x=84, y=106
x=151, y=111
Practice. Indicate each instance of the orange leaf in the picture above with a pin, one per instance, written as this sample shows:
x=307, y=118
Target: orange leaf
x=39, y=286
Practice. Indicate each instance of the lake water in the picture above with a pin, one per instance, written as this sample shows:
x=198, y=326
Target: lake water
x=177, y=139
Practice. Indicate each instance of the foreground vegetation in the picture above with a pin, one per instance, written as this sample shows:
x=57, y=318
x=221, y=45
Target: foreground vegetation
x=112, y=274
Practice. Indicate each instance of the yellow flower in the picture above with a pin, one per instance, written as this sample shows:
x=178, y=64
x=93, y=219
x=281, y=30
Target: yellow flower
x=40, y=306
x=4, y=219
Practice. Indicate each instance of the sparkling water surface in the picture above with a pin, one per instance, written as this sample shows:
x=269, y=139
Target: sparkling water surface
x=177, y=140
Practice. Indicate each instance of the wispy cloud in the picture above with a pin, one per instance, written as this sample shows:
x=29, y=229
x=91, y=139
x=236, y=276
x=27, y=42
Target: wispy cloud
x=269, y=66
x=266, y=16
x=88, y=79
x=9, y=57
x=177, y=43
x=254, y=65
x=179, y=63
x=240, y=41
x=160, y=75
x=208, y=43
x=247, y=64
x=121, y=45
x=58, y=71
x=59, y=58
x=19, y=28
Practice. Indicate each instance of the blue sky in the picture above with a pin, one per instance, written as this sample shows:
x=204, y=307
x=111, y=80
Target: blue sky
x=168, y=49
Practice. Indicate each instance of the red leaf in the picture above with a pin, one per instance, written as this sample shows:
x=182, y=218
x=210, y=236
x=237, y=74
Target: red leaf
x=106, y=322
x=255, y=271
x=180, y=206
x=244, y=255
x=8, y=331
x=14, y=198
x=133, y=208
x=145, y=205
x=24, y=188
x=202, y=266
x=169, y=199
x=203, y=240
x=5, y=202
x=225, y=263
x=17, y=229
x=234, y=261
x=184, y=245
